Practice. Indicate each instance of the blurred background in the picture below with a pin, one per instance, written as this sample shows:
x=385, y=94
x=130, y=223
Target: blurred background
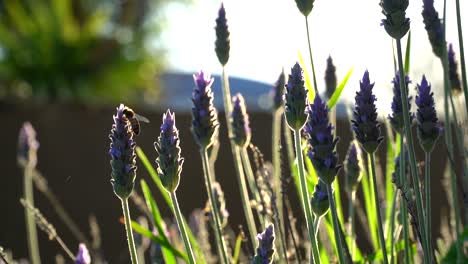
x=66, y=64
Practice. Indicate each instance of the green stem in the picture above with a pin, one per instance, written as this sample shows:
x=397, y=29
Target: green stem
x=251, y=182
x=462, y=54
x=392, y=227
x=412, y=156
x=183, y=231
x=305, y=196
x=128, y=229
x=336, y=226
x=214, y=207
x=311, y=58
x=275, y=150
x=376, y=204
x=352, y=228
x=237, y=161
x=404, y=208
x=427, y=189
x=33, y=245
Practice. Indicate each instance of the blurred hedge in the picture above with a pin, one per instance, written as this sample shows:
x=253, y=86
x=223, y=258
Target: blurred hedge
x=78, y=50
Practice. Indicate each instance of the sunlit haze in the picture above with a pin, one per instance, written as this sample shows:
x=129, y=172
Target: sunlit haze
x=267, y=36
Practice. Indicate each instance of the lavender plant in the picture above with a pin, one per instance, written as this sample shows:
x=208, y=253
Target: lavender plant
x=82, y=257
x=265, y=248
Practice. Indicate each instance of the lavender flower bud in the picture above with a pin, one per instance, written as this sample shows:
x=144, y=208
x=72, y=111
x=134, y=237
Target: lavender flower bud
x=396, y=179
x=222, y=45
x=295, y=99
x=433, y=27
x=396, y=117
x=169, y=160
x=265, y=248
x=429, y=128
x=83, y=256
x=27, y=146
x=319, y=201
x=278, y=91
x=353, y=166
x=365, y=124
x=321, y=141
x=330, y=78
x=123, y=157
x=396, y=23
x=305, y=6
x=453, y=70
x=240, y=122
x=220, y=202
x=205, y=123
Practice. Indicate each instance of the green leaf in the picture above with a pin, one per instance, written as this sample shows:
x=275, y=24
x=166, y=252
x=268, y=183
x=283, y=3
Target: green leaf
x=237, y=249
x=377, y=256
x=452, y=255
x=157, y=239
x=407, y=53
x=371, y=214
x=336, y=95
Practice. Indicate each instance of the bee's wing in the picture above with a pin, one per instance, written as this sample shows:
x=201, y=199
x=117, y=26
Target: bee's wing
x=141, y=118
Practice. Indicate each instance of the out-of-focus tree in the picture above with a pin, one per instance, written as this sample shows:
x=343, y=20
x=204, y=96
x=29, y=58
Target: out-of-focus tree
x=79, y=50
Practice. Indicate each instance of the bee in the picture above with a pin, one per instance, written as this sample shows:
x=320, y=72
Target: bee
x=134, y=119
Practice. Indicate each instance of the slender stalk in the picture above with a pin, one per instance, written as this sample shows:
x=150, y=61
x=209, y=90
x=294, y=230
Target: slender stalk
x=65, y=248
x=289, y=145
x=275, y=151
x=404, y=208
x=214, y=207
x=238, y=162
x=462, y=54
x=352, y=227
x=379, y=217
x=30, y=223
x=183, y=231
x=305, y=196
x=392, y=227
x=427, y=188
x=336, y=226
x=128, y=228
x=311, y=58
x=412, y=156
x=251, y=182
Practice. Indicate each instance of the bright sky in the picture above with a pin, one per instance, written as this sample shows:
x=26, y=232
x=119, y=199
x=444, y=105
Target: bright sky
x=266, y=35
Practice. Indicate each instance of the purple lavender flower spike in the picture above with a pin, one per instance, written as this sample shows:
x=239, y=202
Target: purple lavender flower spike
x=364, y=123
x=353, y=166
x=169, y=160
x=265, y=249
x=205, y=123
x=83, y=256
x=453, y=70
x=240, y=122
x=429, y=128
x=222, y=44
x=123, y=157
x=278, y=91
x=305, y=6
x=396, y=23
x=27, y=146
x=321, y=141
x=396, y=117
x=433, y=26
x=295, y=99
x=330, y=78
x=319, y=201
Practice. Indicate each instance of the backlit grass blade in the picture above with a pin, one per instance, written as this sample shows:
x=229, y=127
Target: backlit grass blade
x=339, y=89
x=307, y=81
x=158, y=239
x=408, y=53
x=370, y=210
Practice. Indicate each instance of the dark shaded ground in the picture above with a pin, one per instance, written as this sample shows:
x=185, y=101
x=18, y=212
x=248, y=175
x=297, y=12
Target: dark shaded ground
x=73, y=156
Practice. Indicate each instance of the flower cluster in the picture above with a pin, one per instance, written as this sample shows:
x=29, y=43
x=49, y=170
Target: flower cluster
x=429, y=128
x=396, y=23
x=434, y=28
x=321, y=141
x=278, y=91
x=220, y=202
x=330, y=78
x=27, y=146
x=169, y=160
x=83, y=256
x=122, y=152
x=396, y=117
x=295, y=99
x=353, y=166
x=364, y=123
x=222, y=44
x=205, y=123
x=240, y=121
x=305, y=6
x=453, y=70
x=265, y=249
x=319, y=201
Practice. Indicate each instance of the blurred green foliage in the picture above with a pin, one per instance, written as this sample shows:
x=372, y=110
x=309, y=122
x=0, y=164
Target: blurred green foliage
x=78, y=50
